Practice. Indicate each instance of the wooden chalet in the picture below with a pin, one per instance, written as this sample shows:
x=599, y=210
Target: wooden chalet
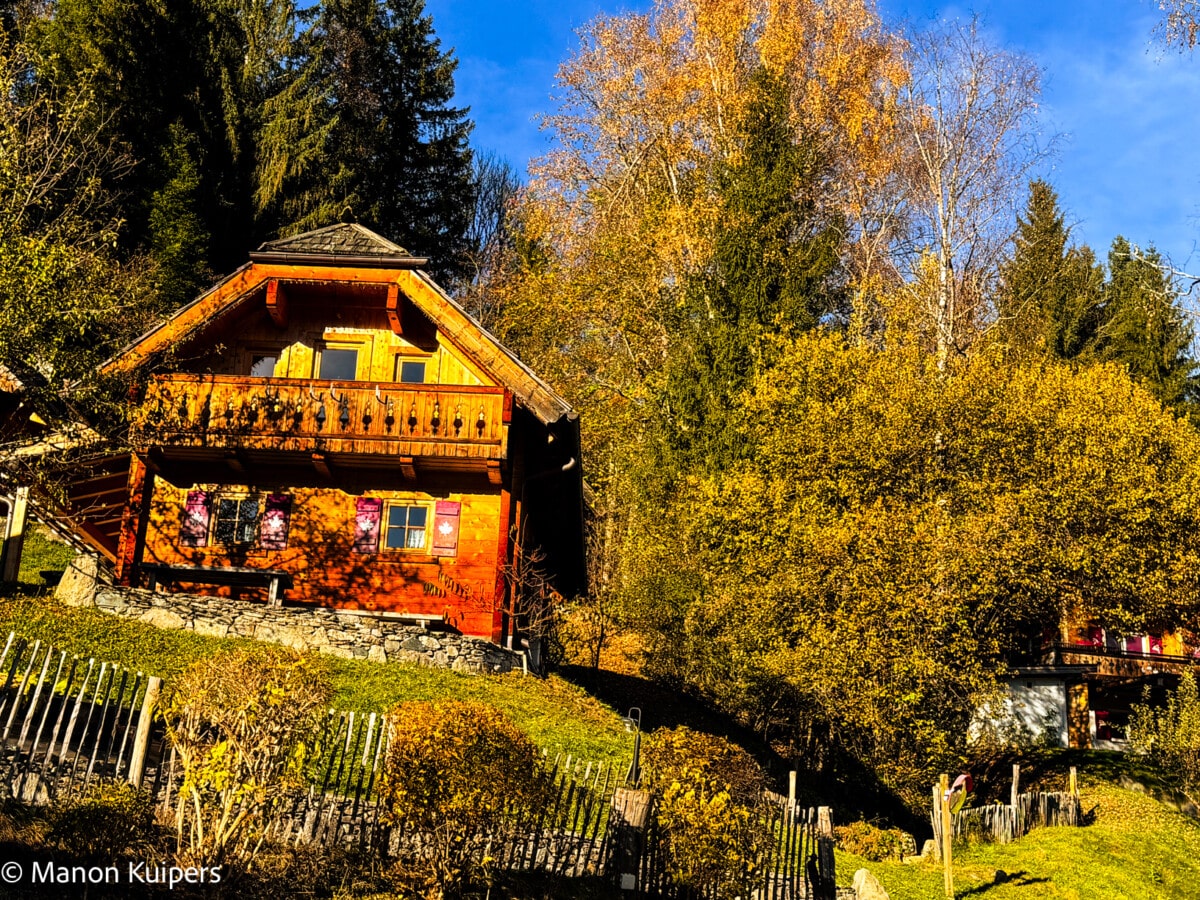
x=326, y=426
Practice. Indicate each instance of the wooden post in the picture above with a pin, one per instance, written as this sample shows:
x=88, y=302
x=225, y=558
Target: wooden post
x=947, y=835
x=14, y=534
x=791, y=790
x=935, y=819
x=141, y=739
x=825, y=857
x=1074, y=783
x=1016, y=784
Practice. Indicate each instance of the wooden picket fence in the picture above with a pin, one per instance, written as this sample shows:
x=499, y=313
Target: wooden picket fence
x=1004, y=823
x=798, y=863
x=67, y=723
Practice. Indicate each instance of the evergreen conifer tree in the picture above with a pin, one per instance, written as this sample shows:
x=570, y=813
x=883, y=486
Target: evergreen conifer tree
x=1050, y=295
x=775, y=268
x=375, y=85
x=1144, y=327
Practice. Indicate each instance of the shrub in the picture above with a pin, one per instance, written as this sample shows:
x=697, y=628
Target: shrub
x=243, y=726
x=708, y=807
x=1171, y=734
x=458, y=776
x=876, y=844
x=107, y=821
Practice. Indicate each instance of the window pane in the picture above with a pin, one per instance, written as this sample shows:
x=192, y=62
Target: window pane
x=262, y=365
x=416, y=517
x=248, y=521
x=226, y=521
x=395, y=538
x=397, y=516
x=412, y=372
x=416, y=539
x=339, y=365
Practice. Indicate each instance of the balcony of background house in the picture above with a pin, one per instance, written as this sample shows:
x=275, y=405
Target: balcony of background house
x=225, y=412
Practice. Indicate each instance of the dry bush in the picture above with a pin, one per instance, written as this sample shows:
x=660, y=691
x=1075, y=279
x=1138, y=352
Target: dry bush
x=243, y=725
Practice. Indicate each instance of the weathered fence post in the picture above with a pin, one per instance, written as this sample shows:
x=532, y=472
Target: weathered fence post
x=1015, y=785
x=947, y=835
x=825, y=859
x=792, y=791
x=630, y=816
x=141, y=739
x=1074, y=783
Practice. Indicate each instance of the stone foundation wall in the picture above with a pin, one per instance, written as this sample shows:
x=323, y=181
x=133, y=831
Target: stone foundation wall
x=341, y=633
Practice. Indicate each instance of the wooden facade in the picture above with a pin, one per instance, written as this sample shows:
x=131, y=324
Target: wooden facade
x=328, y=413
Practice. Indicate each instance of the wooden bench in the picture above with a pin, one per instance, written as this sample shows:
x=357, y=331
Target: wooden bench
x=274, y=580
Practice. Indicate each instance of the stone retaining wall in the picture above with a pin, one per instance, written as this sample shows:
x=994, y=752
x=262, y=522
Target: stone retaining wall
x=343, y=633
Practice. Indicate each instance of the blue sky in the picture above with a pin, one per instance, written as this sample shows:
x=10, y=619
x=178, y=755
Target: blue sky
x=1128, y=112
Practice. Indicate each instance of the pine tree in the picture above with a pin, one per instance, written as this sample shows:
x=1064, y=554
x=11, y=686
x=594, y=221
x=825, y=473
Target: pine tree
x=373, y=81
x=1050, y=296
x=179, y=84
x=1144, y=327
x=775, y=268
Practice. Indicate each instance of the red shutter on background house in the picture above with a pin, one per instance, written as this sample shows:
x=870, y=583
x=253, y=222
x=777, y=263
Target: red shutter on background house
x=368, y=511
x=445, y=527
x=193, y=531
x=273, y=530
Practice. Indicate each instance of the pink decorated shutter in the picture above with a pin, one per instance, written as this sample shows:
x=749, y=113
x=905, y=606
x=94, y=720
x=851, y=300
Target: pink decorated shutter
x=368, y=511
x=273, y=530
x=445, y=527
x=193, y=531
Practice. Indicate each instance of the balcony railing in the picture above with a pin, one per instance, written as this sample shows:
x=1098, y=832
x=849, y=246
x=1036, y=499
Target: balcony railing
x=222, y=411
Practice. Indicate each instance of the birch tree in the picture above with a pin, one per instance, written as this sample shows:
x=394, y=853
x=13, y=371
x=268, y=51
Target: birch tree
x=969, y=115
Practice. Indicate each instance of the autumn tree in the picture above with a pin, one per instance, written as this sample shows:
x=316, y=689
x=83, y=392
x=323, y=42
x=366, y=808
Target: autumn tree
x=967, y=113
x=897, y=532
x=67, y=299
x=1180, y=25
x=616, y=256
x=1050, y=296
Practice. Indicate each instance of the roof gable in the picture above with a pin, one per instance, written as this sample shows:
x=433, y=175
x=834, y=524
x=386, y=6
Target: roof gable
x=375, y=260
x=337, y=241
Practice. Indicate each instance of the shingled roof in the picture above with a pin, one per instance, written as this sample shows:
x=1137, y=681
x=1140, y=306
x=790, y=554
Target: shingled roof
x=347, y=241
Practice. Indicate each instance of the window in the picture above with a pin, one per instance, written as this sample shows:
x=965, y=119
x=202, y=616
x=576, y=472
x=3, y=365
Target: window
x=338, y=365
x=237, y=520
x=410, y=372
x=262, y=365
x=405, y=527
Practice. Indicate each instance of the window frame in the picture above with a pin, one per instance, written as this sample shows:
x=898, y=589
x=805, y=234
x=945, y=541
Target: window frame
x=278, y=351
x=338, y=346
x=386, y=527
x=425, y=359
x=239, y=497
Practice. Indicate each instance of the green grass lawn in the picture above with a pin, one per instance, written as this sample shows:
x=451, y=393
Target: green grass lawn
x=1136, y=849
x=557, y=715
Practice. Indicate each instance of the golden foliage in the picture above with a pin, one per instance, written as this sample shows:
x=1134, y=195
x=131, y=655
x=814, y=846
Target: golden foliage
x=897, y=532
x=708, y=805
x=457, y=774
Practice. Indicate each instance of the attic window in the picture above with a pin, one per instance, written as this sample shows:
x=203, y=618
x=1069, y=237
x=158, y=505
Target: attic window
x=262, y=365
x=338, y=365
x=411, y=372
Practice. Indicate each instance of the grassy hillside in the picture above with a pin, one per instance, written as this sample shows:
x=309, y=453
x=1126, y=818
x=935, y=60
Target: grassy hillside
x=556, y=714
x=1136, y=849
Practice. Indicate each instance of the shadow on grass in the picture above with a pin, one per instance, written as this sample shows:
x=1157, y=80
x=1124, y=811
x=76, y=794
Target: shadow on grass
x=1015, y=879
x=844, y=783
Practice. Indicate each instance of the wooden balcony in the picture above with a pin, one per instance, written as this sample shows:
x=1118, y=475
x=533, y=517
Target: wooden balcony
x=231, y=413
